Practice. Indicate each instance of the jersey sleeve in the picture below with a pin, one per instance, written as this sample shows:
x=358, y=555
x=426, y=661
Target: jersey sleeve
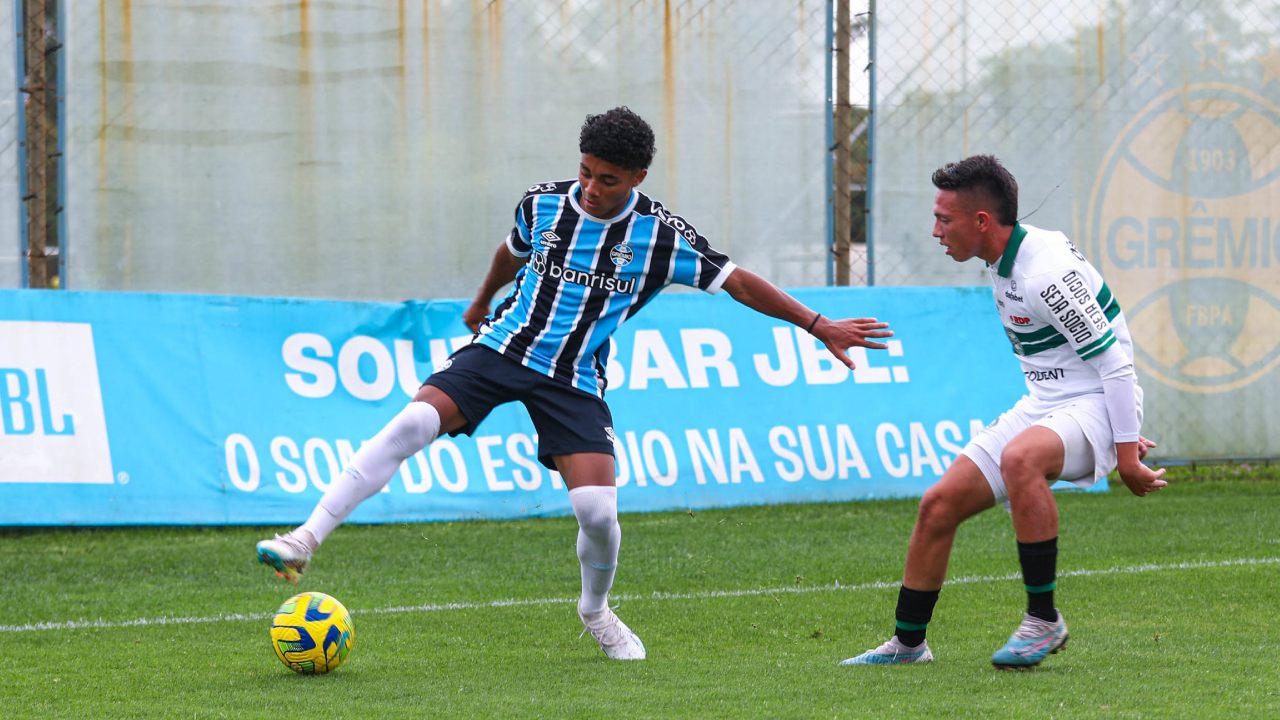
x=1065, y=300
x=1120, y=390
x=519, y=239
x=697, y=264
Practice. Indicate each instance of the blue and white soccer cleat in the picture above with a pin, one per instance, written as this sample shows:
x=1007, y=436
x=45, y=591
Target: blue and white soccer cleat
x=616, y=639
x=1032, y=642
x=288, y=555
x=892, y=652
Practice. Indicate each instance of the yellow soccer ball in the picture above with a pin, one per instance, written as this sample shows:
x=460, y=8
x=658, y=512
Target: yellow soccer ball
x=312, y=633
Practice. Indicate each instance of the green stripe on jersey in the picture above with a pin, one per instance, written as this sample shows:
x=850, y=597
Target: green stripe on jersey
x=1036, y=348
x=1107, y=301
x=1097, y=346
x=1045, y=333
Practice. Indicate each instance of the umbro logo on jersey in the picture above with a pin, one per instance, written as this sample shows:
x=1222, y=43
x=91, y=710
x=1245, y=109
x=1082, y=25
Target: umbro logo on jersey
x=550, y=239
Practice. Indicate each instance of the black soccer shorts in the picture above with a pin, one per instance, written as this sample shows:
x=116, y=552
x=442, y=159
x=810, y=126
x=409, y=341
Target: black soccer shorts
x=567, y=420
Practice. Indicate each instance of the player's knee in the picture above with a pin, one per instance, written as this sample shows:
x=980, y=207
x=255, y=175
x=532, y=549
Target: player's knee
x=937, y=511
x=596, y=509
x=597, y=520
x=412, y=429
x=1019, y=464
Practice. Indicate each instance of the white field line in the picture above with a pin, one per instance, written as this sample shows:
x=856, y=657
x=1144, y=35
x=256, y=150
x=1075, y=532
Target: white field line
x=656, y=596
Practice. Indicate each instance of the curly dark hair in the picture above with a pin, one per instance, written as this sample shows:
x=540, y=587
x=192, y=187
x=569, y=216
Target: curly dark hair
x=618, y=136
x=986, y=177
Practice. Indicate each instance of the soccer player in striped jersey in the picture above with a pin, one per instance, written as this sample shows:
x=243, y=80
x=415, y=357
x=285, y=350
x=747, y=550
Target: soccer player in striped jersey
x=1078, y=421
x=584, y=256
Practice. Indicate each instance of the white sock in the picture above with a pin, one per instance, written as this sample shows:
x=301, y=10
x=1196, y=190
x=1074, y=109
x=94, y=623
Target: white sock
x=599, y=537
x=372, y=467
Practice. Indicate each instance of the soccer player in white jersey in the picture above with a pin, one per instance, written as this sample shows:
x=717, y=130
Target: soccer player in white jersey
x=584, y=255
x=1078, y=421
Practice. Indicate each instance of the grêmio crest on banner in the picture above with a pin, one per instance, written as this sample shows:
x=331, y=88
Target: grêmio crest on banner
x=1185, y=215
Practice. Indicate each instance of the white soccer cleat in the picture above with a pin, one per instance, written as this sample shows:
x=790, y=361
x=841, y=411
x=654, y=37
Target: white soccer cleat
x=288, y=555
x=615, y=638
x=893, y=653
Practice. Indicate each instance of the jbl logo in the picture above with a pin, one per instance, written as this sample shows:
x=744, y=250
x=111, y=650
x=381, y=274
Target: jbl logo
x=23, y=414
x=52, y=425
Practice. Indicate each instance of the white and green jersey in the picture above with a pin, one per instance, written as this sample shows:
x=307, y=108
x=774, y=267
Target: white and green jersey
x=1065, y=325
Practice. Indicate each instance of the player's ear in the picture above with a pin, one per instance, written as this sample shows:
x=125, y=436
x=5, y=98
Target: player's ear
x=982, y=219
x=639, y=177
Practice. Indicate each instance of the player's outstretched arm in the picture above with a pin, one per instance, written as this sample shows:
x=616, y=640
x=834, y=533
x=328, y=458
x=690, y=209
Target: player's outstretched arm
x=502, y=270
x=837, y=335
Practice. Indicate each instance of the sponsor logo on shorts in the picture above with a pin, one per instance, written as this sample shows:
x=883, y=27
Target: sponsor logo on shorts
x=1020, y=320
x=608, y=432
x=52, y=425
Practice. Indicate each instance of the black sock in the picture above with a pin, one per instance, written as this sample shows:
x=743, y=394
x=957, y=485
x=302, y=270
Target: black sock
x=915, y=609
x=1039, y=570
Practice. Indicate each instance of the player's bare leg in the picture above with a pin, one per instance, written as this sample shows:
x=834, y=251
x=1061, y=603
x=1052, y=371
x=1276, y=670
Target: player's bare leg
x=1028, y=465
x=961, y=493
x=590, y=477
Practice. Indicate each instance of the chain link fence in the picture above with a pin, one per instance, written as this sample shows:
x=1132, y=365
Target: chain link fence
x=12, y=247
x=1149, y=132
x=374, y=150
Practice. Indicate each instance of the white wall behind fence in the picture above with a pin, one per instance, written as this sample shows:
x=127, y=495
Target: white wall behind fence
x=376, y=150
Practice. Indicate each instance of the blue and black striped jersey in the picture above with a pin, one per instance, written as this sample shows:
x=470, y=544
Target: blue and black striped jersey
x=585, y=276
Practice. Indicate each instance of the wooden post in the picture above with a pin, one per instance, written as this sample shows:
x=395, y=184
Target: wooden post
x=40, y=113
x=842, y=173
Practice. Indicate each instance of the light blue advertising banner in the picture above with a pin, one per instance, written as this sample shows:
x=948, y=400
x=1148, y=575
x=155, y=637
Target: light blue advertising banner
x=119, y=408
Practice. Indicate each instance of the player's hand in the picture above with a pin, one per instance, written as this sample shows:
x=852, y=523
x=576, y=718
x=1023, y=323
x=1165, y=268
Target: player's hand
x=1143, y=446
x=840, y=335
x=1142, y=480
x=474, y=315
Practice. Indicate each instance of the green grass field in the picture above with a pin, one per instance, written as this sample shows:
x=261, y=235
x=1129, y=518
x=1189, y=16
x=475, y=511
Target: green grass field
x=1171, y=601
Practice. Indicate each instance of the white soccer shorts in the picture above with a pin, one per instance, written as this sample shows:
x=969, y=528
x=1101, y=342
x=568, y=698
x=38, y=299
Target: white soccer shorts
x=1082, y=423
